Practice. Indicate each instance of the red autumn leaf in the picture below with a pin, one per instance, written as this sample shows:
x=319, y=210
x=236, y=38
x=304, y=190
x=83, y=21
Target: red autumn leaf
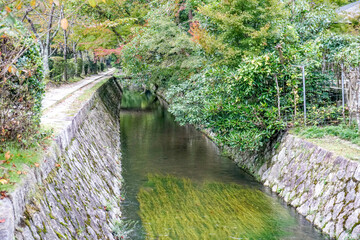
x=3, y=194
x=2, y=220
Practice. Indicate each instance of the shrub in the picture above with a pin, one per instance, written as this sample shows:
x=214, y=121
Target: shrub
x=57, y=66
x=21, y=85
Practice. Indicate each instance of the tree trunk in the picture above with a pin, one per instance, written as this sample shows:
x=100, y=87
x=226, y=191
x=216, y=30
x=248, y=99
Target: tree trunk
x=65, y=73
x=46, y=53
x=82, y=64
x=46, y=67
x=191, y=15
x=278, y=96
x=75, y=60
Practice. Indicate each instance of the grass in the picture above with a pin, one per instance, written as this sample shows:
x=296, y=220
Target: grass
x=344, y=132
x=89, y=92
x=17, y=158
x=173, y=208
x=13, y=161
x=342, y=139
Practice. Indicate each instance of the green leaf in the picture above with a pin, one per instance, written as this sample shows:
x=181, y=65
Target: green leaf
x=92, y=3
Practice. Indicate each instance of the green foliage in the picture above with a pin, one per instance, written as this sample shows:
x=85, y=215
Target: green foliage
x=243, y=26
x=320, y=116
x=250, y=88
x=349, y=55
x=107, y=24
x=161, y=53
x=21, y=85
x=310, y=20
x=57, y=66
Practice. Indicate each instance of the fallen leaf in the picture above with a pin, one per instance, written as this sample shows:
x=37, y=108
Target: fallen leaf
x=36, y=164
x=57, y=165
x=3, y=194
x=8, y=9
x=19, y=172
x=4, y=181
x=7, y=155
x=2, y=220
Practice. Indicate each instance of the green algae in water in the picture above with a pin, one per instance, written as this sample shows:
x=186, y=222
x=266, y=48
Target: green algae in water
x=175, y=208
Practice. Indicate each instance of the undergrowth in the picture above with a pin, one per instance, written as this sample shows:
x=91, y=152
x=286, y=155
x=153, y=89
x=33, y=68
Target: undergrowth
x=16, y=159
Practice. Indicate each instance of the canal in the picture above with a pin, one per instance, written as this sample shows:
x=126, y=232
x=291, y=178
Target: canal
x=177, y=185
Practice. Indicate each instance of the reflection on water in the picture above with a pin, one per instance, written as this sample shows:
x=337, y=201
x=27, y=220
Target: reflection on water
x=152, y=143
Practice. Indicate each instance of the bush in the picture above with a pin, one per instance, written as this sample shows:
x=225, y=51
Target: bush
x=57, y=66
x=21, y=86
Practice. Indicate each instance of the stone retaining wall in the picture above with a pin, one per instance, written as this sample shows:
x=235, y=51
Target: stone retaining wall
x=75, y=193
x=321, y=186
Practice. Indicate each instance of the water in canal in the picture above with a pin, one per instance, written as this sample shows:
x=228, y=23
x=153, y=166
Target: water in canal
x=178, y=186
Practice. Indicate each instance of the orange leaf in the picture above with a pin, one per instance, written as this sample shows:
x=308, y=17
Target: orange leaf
x=64, y=23
x=2, y=220
x=33, y=3
x=36, y=164
x=19, y=172
x=19, y=6
x=7, y=155
x=8, y=9
x=57, y=165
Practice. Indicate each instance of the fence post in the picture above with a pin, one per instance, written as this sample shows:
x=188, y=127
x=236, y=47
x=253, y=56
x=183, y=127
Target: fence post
x=343, y=91
x=304, y=92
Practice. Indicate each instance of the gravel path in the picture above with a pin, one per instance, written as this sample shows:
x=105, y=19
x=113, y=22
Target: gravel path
x=60, y=103
x=350, y=9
